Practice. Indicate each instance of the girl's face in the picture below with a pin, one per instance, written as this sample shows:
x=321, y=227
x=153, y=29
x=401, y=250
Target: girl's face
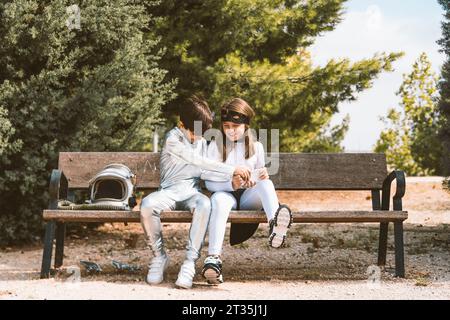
x=233, y=131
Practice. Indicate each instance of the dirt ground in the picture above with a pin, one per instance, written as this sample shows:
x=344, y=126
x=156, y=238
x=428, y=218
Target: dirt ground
x=320, y=261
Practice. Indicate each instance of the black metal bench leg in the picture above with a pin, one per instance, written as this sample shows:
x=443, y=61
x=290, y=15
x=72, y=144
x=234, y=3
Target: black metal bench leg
x=382, y=246
x=48, y=248
x=59, y=249
x=399, y=250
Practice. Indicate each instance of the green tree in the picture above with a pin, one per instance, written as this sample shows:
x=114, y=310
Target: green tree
x=411, y=140
x=258, y=50
x=6, y=131
x=90, y=89
x=444, y=90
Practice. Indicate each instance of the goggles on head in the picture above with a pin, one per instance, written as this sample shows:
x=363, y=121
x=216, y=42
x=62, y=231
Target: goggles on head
x=233, y=116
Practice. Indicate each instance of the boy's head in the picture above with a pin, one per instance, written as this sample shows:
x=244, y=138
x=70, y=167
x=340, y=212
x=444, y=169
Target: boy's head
x=195, y=109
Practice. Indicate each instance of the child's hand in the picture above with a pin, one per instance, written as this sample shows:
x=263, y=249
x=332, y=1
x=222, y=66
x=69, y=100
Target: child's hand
x=243, y=172
x=237, y=182
x=250, y=184
x=263, y=174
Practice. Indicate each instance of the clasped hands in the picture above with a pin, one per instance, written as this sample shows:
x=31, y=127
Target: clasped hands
x=242, y=177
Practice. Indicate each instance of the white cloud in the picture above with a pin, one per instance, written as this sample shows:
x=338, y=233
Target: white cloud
x=362, y=34
x=374, y=18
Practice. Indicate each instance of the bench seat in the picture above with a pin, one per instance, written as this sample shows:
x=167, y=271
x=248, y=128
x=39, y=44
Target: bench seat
x=235, y=216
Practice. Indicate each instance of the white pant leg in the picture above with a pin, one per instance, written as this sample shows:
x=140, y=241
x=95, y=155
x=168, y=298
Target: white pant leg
x=221, y=205
x=261, y=196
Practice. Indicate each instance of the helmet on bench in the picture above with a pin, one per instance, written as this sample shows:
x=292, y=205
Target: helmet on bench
x=114, y=186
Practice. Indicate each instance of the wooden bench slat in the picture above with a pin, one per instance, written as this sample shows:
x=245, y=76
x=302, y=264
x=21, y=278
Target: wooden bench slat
x=330, y=171
x=235, y=216
x=297, y=171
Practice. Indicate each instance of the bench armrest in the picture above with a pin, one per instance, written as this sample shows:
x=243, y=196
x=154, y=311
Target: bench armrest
x=58, y=188
x=399, y=176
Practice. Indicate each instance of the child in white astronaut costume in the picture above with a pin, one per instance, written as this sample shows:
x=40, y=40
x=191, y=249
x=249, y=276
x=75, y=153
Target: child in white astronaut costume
x=183, y=162
x=253, y=195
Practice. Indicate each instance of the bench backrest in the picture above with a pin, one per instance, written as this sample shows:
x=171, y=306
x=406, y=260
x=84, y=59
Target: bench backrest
x=297, y=171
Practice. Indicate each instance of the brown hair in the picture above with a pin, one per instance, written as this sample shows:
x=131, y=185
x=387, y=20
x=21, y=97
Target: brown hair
x=240, y=106
x=194, y=109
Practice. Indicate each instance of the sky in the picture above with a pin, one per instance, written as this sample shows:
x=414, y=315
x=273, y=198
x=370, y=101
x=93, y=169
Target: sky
x=369, y=27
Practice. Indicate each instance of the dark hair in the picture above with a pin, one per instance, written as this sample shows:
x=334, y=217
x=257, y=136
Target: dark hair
x=194, y=109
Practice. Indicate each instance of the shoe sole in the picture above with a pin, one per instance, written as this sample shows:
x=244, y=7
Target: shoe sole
x=281, y=227
x=182, y=285
x=166, y=265
x=212, y=277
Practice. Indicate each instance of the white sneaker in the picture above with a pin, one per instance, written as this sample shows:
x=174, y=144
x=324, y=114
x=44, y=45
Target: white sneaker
x=186, y=275
x=212, y=270
x=156, y=269
x=279, y=226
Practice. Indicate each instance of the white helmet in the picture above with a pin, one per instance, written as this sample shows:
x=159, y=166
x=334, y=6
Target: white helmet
x=114, y=185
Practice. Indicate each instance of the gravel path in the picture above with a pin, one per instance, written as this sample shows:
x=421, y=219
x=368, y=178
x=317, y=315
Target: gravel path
x=51, y=289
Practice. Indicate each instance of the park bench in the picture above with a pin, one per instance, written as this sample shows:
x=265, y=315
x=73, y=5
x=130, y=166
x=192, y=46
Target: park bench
x=297, y=171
